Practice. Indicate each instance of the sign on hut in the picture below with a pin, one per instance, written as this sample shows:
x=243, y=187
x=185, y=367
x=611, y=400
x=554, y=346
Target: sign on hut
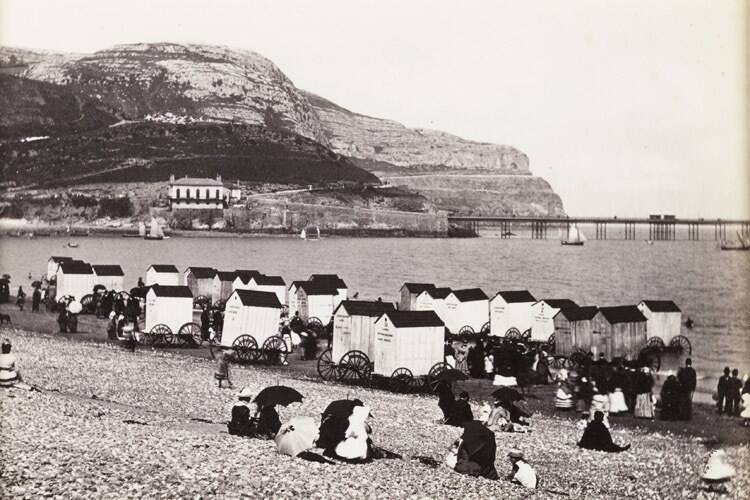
x=332, y=280
x=573, y=329
x=433, y=300
x=168, y=305
x=53, y=263
x=251, y=312
x=664, y=319
x=222, y=286
x=316, y=300
x=618, y=331
x=242, y=278
x=510, y=313
x=354, y=326
x=162, y=274
x=409, y=294
x=75, y=278
x=200, y=280
x=467, y=311
x=408, y=340
x=273, y=284
x=543, y=312
x=110, y=277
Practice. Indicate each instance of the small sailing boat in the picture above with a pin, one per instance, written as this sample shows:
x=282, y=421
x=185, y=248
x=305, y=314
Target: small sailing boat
x=72, y=244
x=574, y=237
x=155, y=232
x=310, y=233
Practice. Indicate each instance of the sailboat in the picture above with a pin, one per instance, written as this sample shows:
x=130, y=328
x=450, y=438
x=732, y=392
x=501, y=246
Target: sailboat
x=141, y=232
x=742, y=244
x=312, y=234
x=574, y=237
x=155, y=232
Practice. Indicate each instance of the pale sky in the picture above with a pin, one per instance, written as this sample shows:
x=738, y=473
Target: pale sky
x=627, y=107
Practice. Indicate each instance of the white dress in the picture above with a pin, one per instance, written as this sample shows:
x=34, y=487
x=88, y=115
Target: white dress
x=617, y=402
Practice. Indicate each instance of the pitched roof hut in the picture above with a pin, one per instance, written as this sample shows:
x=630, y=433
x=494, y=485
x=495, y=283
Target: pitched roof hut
x=110, y=277
x=332, y=280
x=222, y=286
x=664, y=319
x=292, y=294
x=410, y=292
x=162, y=274
x=200, y=280
x=354, y=326
x=543, y=313
x=273, y=284
x=510, y=309
x=242, y=278
x=408, y=339
x=466, y=309
x=433, y=300
x=53, y=263
x=251, y=312
x=170, y=305
x=75, y=278
x=316, y=300
x=618, y=331
x=573, y=329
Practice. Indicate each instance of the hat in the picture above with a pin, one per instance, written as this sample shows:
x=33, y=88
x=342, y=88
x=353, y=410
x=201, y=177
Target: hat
x=717, y=469
x=245, y=393
x=515, y=453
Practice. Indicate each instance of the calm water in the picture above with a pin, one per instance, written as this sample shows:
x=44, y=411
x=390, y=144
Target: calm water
x=711, y=286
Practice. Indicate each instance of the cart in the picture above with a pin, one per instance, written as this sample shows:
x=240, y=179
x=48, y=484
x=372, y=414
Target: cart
x=169, y=317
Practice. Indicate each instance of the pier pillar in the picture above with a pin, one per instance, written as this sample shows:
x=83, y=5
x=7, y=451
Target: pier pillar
x=601, y=230
x=629, y=230
x=720, y=231
x=538, y=230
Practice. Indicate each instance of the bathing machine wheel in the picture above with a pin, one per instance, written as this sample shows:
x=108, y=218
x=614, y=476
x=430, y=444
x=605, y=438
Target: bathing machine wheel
x=466, y=331
x=355, y=367
x=160, y=334
x=275, y=350
x=246, y=349
x=433, y=375
x=402, y=380
x=88, y=304
x=190, y=334
x=681, y=344
x=327, y=369
x=513, y=334
x=485, y=330
x=201, y=301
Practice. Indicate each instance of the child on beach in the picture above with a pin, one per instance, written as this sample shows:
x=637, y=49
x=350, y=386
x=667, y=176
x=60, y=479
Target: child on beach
x=222, y=368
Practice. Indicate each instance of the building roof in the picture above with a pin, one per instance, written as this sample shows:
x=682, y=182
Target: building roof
x=418, y=287
x=245, y=274
x=413, y=319
x=513, y=296
x=164, y=268
x=371, y=308
x=257, y=298
x=202, y=273
x=75, y=267
x=330, y=279
x=578, y=313
x=622, y=314
x=58, y=259
x=108, y=270
x=226, y=275
x=661, y=306
x=197, y=181
x=439, y=293
x=179, y=291
x=560, y=303
x=297, y=283
x=318, y=288
x=470, y=295
x=269, y=280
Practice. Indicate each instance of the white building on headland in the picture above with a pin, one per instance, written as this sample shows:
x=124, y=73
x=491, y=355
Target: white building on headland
x=201, y=192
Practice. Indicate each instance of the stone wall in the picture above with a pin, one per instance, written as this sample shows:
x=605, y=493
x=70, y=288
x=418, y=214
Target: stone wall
x=275, y=216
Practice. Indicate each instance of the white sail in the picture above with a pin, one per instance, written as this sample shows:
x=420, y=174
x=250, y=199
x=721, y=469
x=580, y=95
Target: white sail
x=141, y=229
x=581, y=236
x=303, y=234
x=154, y=230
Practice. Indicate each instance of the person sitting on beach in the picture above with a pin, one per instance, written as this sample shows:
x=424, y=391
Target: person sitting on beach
x=460, y=412
x=241, y=423
x=522, y=473
x=474, y=453
x=597, y=436
x=9, y=375
x=563, y=397
x=671, y=394
x=268, y=423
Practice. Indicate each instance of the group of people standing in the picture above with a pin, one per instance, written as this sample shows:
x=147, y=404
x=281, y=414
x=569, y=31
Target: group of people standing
x=730, y=391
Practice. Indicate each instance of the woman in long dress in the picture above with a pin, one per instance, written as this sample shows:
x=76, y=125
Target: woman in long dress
x=644, y=384
x=8, y=372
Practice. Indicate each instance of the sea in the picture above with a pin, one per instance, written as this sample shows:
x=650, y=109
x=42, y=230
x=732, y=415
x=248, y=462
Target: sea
x=710, y=286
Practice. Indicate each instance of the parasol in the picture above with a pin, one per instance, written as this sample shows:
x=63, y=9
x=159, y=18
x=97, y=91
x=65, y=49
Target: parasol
x=508, y=394
x=277, y=395
x=341, y=408
x=297, y=435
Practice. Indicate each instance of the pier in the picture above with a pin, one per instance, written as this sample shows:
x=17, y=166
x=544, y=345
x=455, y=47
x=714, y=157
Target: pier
x=660, y=227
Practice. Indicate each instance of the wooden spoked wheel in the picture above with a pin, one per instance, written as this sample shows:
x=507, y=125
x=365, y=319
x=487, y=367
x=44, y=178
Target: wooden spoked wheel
x=201, y=301
x=245, y=348
x=485, y=329
x=314, y=325
x=550, y=346
x=466, y=330
x=655, y=342
x=88, y=304
x=575, y=360
x=681, y=344
x=160, y=334
x=402, y=380
x=434, y=373
x=190, y=333
x=220, y=305
x=327, y=369
x=275, y=350
x=355, y=367
x=512, y=334
x=526, y=335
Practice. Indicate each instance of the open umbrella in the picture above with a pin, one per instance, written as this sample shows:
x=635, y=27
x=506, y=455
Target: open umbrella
x=75, y=307
x=297, y=435
x=341, y=408
x=451, y=375
x=36, y=284
x=508, y=394
x=277, y=395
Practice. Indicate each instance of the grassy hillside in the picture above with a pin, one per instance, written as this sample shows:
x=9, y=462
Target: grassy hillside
x=150, y=151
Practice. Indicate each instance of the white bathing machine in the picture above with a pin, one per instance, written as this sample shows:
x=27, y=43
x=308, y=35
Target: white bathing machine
x=544, y=312
x=53, y=263
x=409, y=293
x=110, y=277
x=664, y=324
x=510, y=314
x=333, y=281
x=162, y=274
x=200, y=281
x=292, y=294
x=222, y=286
x=467, y=311
x=316, y=301
x=273, y=284
x=169, y=308
x=75, y=278
x=433, y=300
x=242, y=279
x=251, y=326
x=408, y=347
x=354, y=326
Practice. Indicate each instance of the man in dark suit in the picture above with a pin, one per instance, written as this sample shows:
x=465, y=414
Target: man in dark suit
x=722, y=389
x=687, y=378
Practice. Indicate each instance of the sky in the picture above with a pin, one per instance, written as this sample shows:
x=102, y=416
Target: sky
x=627, y=107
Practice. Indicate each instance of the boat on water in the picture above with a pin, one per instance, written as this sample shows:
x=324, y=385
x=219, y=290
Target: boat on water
x=574, y=237
x=310, y=233
x=72, y=244
x=155, y=231
x=741, y=244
